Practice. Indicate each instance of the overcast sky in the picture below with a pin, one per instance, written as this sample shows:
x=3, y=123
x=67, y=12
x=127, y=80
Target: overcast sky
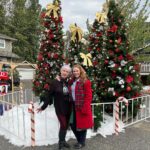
x=77, y=11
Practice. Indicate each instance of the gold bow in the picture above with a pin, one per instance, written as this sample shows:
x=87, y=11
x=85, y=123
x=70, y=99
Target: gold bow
x=76, y=31
x=86, y=59
x=101, y=17
x=52, y=8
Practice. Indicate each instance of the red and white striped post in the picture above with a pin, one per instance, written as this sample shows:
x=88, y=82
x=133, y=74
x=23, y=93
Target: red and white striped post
x=21, y=93
x=117, y=112
x=31, y=110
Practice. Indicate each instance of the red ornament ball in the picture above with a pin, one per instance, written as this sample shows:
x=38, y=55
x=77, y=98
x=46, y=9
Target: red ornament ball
x=46, y=86
x=49, y=54
x=37, y=83
x=95, y=63
x=117, y=50
x=61, y=19
x=110, y=41
x=98, y=49
x=111, y=53
x=128, y=88
x=56, y=56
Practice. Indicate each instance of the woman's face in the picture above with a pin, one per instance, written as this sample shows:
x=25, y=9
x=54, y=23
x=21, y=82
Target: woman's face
x=76, y=72
x=64, y=73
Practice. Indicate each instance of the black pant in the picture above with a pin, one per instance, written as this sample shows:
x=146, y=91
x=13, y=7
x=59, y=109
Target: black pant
x=79, y=134
x=64, y=122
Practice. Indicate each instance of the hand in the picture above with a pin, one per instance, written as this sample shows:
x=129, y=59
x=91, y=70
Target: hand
x=39, y=110
x=58, y=77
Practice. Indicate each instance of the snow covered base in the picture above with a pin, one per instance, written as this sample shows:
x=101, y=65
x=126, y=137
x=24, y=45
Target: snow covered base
x=46, y=126
x=146, y=90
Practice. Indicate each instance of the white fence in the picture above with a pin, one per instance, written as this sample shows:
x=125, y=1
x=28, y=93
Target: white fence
x=16, y=119
x=12, y=119
x=128, y=113
x=145, y=68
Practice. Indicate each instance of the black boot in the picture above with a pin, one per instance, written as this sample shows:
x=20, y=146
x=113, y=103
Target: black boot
x=66, y=144
x=79, y=145
x=62, y=142
x=61, y=146
x=81, y=139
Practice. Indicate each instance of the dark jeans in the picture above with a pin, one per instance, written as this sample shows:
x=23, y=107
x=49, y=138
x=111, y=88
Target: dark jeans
x=79, y=134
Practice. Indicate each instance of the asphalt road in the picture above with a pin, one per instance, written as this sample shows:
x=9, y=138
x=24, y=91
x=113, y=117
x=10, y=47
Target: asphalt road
x=136, y=137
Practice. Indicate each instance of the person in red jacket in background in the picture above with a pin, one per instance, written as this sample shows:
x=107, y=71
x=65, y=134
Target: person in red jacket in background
x=81, y=118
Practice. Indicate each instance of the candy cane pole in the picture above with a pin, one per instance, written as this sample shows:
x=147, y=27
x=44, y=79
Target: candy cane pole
x=21, y=93
x=31, y=110
x=117, y=113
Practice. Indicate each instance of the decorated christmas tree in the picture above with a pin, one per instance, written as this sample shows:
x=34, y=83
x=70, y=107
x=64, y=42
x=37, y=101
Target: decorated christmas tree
x=77, y=52
x=119, y=72
x=50, y=57
x=97, y=43
x=75, y=45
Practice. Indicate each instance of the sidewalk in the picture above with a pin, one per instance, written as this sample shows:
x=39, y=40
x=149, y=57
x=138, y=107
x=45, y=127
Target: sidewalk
x=136, y=137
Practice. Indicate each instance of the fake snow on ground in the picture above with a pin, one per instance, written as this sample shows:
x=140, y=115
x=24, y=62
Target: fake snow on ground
x=15, y=125
x=146, y=88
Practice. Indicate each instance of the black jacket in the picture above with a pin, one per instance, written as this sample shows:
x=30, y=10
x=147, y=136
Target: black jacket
x=62, y=103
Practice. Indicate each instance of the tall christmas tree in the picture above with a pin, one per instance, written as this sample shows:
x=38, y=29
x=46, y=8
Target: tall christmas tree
x=50, y=57
x=97, y=43
x=119, y=73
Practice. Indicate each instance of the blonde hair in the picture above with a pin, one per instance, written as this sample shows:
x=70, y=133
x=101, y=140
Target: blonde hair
x=83, y=75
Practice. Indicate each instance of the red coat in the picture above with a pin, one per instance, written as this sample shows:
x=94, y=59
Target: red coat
x=84, y=119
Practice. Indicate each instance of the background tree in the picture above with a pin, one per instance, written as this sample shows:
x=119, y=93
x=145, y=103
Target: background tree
x=24, y=27
x=3, y=17
x=21, y=22
x=50, y=57
x=18, y=26
x=136, y=13
x=33, y=29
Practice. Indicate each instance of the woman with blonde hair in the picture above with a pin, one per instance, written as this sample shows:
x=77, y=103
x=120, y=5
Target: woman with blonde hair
x=81, y=92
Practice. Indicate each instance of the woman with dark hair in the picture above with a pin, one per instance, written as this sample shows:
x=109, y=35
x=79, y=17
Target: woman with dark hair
x=60, y=93
x=3, y=90
x=81, y=118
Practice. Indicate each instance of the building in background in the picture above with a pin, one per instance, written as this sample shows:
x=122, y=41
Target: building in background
x=6, y=53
